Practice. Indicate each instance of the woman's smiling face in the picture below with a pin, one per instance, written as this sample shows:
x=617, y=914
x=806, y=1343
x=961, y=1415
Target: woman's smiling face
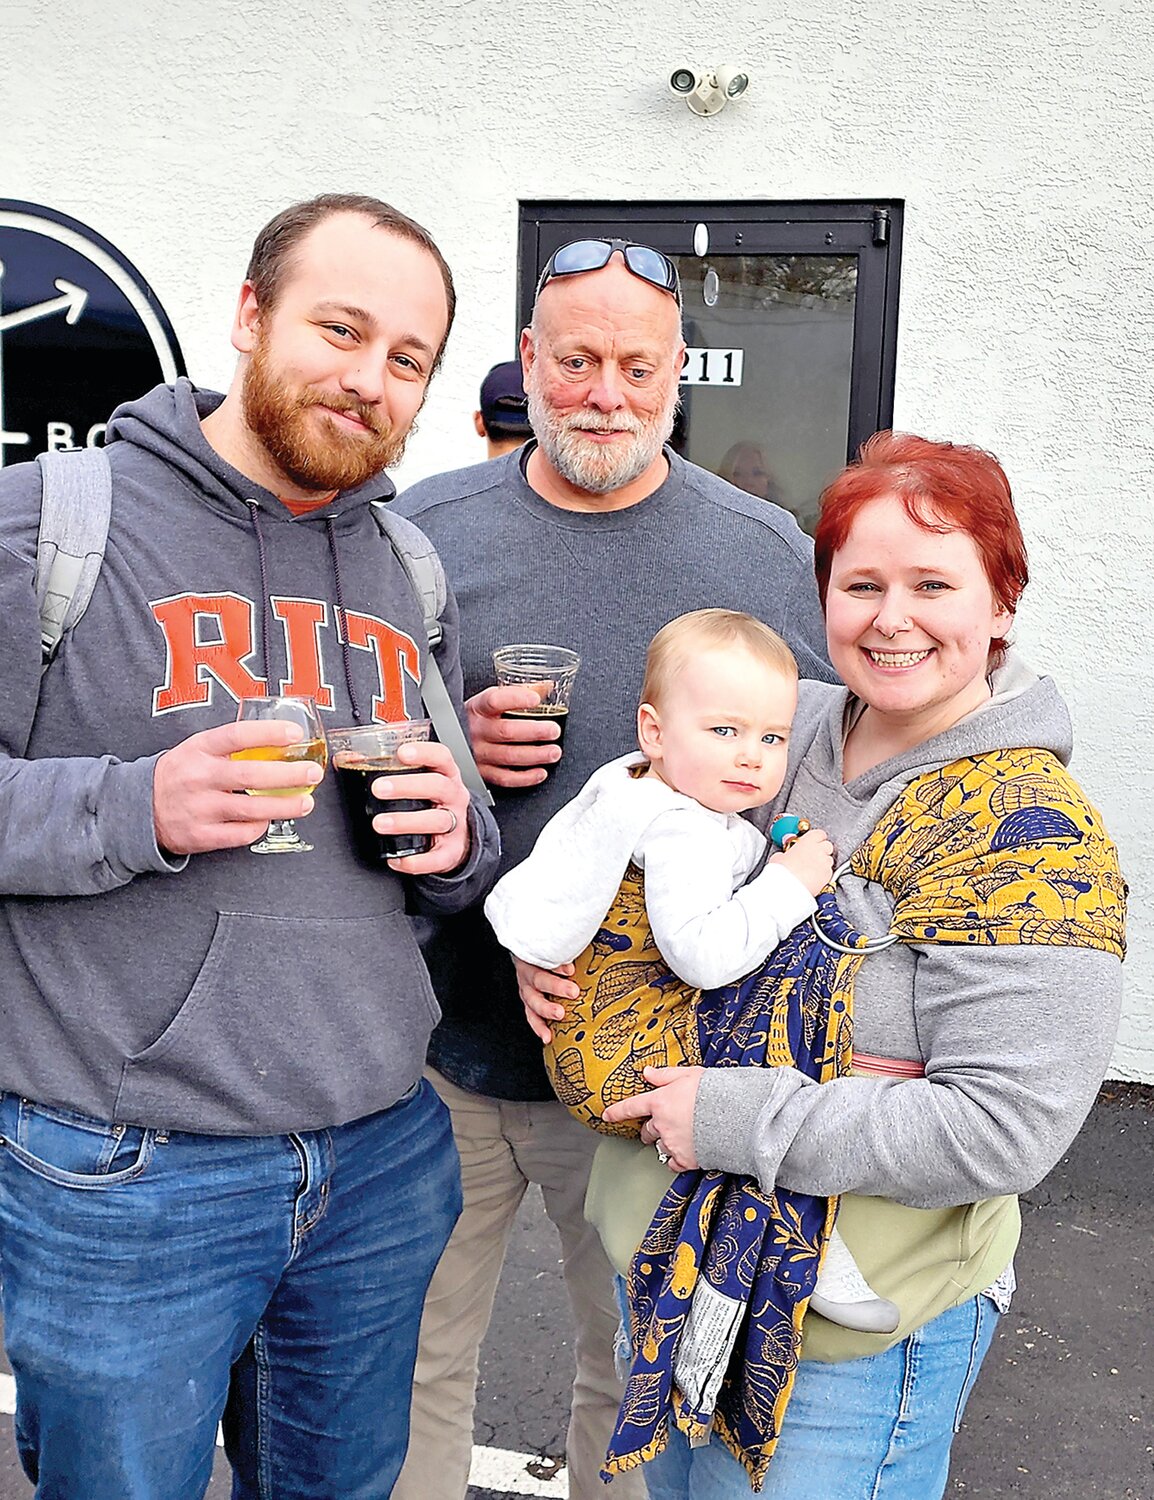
x=910, y=615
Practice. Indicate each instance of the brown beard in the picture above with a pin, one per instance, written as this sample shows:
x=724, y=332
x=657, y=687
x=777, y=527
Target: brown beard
x=276, y=414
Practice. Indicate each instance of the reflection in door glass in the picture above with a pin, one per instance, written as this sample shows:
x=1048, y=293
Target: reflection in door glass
x=765, y=392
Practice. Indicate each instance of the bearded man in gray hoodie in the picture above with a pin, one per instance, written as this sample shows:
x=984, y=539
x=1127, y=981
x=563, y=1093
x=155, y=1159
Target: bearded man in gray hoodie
x=223, y=1184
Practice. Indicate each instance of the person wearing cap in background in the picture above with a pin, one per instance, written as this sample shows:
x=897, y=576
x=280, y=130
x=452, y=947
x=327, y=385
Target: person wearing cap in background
x=503, y=419
x=592, y=536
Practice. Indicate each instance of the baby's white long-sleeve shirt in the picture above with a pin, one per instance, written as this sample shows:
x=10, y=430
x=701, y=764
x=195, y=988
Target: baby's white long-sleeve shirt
x=710, y=926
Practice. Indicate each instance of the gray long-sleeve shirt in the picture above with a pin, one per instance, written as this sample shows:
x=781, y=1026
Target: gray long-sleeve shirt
x=602, y=583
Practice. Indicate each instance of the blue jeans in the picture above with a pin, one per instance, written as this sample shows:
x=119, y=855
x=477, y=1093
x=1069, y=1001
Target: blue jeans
x=156, y=1283
x=877, y=1428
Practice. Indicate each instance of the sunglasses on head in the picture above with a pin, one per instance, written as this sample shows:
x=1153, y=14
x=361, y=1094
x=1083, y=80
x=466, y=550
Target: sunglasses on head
x=593, y=255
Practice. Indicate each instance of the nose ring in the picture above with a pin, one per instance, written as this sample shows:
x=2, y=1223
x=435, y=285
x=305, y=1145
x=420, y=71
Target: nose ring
x=892, y=634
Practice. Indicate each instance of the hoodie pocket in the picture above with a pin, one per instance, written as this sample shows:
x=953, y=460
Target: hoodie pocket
x=292, y=1023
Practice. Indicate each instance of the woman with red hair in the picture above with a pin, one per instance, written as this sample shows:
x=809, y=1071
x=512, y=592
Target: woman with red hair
x=927, y=1049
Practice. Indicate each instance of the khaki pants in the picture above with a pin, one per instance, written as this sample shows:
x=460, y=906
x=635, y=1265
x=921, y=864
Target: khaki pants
x=504, y=1147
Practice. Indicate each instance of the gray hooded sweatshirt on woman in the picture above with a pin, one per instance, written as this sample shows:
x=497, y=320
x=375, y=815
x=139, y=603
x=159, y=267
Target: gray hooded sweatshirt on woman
x=226, y=993
x=1014, y=1041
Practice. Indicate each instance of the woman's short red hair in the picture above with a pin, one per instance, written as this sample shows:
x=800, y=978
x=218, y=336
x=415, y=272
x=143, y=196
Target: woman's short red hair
x=941, y=485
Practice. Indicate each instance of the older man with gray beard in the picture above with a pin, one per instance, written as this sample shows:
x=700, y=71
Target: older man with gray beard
x=592, y=537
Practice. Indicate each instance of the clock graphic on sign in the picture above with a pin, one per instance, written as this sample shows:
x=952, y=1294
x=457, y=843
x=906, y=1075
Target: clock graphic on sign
x=80, y=332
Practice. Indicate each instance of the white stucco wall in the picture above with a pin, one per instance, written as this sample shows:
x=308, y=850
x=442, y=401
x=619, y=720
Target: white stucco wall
x=1019, y=134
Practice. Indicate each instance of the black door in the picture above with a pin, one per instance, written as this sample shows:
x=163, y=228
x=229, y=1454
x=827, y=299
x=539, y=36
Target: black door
x=790, y=319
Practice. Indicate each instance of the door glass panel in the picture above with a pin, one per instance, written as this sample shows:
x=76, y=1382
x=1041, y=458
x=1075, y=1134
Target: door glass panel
x=766, y=390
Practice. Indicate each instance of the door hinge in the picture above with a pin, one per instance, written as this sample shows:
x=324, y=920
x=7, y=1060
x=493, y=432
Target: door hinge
x=881, y=226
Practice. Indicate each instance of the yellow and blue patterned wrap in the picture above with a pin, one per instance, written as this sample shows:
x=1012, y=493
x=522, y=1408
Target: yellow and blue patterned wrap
x=992, y=849
x=633, y=1012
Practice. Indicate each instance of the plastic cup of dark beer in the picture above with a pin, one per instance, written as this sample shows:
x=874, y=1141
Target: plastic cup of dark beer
x=550, y=669
x=361, y=755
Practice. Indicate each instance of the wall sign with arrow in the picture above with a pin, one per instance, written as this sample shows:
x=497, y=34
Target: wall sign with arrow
x=80, y=332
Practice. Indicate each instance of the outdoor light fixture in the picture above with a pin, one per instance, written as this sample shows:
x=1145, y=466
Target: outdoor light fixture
x=707, y=90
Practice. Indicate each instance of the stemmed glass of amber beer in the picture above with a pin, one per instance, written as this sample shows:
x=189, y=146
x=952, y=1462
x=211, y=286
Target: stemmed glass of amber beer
x=281, y=836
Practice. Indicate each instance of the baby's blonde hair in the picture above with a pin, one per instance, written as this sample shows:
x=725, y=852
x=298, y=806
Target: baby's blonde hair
x=710, y=630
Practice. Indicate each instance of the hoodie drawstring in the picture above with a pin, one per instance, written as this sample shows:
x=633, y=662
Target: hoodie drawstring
x=266, y=608
x=343, y=632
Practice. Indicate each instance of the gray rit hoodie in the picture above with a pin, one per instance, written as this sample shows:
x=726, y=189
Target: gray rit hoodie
x=226, y=993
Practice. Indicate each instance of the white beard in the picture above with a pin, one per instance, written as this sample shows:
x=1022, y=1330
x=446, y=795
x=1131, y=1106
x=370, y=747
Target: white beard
x=594, y=467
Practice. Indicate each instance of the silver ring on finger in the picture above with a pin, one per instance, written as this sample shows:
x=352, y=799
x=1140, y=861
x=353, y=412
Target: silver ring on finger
x=452, y=826
x=663, y=1156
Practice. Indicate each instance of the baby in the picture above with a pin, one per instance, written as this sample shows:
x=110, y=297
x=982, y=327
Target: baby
x=643, y=882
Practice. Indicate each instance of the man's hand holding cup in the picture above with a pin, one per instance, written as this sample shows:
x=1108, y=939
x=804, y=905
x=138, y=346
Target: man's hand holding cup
x=404, y=801
x=517, y=727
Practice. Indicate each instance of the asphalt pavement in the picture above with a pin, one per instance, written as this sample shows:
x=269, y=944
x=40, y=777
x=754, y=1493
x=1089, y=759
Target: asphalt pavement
x=1062, y=1410
x=1063, y=1407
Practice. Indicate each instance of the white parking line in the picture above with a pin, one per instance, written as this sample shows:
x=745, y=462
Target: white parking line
x=492, y=1468
x=511, y=1473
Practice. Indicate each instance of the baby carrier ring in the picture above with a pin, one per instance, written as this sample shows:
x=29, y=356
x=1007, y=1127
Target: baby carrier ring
x=871, y=945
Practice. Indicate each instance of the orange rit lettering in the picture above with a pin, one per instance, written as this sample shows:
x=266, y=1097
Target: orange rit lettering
x=397, y=658
x=193, y=662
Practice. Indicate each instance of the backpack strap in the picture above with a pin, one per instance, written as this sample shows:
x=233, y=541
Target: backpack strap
x=425, y=572
x=75, y=510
